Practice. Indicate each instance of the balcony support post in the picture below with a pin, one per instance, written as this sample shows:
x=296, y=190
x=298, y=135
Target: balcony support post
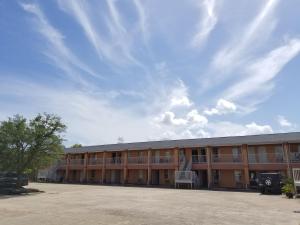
x=67, y=168
x=149, y=167
x=125, y=167
x=246, y=165
x=286, y=152
x=209, y=169
x=103, y=181
x=85, y=162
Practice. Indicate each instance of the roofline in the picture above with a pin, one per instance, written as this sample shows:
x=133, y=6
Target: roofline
x=291, y=137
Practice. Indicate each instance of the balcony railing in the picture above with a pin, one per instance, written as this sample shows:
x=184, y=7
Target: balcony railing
x=226, y=158
x=295, y=157
x=95, y=161
x=76, y=161
x=199, y=158
x=61, y=162
x=266, y=158
x=114, y=160
x=162, y=159
x=138, y=160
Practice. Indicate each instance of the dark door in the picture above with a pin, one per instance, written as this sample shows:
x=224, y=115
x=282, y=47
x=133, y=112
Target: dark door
x=155, y=177
x=204, y=178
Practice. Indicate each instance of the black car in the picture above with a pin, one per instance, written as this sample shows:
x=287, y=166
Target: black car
x=10, y=179
x=270, y=183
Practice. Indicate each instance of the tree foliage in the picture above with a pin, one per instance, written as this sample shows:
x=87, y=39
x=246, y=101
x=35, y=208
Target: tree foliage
x=28, y=145
x=76, y=146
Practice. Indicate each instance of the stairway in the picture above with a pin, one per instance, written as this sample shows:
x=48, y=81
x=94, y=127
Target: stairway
x=184, y=175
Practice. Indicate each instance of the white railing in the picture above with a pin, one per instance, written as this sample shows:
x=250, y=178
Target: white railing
x=76, y=161
x=226, y=158
x=199, y=158
x=162, y=159
x=138, y=160
x=294, y=157
x=114, y=160
x=266, y=158
x=184, y=176
x=95, y=161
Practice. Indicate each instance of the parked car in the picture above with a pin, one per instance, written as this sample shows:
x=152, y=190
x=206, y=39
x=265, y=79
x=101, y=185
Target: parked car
x=10, y=179
x=270, y=183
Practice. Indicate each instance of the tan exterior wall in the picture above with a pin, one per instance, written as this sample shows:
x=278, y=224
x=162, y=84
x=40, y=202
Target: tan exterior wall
x=137, y=176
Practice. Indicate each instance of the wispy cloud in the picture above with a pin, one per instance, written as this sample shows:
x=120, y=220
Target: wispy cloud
x=259, y=75
x=116, y=48
x=207, y=23
x=255, y=32
x=142, y=19
x=57, y=50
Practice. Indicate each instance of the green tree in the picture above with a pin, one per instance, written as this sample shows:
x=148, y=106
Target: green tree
x=76, y=146
x=28, y=145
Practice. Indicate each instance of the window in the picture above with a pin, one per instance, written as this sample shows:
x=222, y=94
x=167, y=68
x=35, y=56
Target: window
x=93, y=173
x=194, y=151
x=236, y=153
x=262, y=154
x=251, y=155
x=279, y=153
x=238, y=176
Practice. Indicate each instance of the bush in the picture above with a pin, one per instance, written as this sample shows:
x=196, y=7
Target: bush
x=288, y=187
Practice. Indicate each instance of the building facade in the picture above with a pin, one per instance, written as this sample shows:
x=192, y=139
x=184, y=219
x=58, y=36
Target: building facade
x=226, y=162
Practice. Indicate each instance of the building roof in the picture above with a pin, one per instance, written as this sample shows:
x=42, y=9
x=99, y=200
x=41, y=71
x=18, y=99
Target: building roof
x=278, y=138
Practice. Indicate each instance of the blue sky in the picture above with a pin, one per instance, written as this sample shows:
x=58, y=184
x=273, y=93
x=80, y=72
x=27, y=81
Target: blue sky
x=139, y=70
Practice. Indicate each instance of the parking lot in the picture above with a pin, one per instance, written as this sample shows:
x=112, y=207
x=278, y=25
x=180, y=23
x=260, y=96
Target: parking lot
x=90, y=204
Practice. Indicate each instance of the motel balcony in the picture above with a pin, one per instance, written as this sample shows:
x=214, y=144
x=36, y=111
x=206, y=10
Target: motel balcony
x=95, y=161
x=61, y=163
x=162, y=160
x=76, y=162
x=199, y=159
x=226, y=158
x=141, y=160
x=295, y=157
x=114, y=161
x=266, y=158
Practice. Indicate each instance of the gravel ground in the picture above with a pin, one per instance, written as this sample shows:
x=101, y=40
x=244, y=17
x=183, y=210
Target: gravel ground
x=88, y=204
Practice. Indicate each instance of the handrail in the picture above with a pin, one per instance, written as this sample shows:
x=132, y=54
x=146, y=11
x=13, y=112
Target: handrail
x=199, y=158
x=114, y=160
x=226, y=158
x=76, y=161
x=266, y=158
x=95, y=161
x=162, y=159
x=138, y=160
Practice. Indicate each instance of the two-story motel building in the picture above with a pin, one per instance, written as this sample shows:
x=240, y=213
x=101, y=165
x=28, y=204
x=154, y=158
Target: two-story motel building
x=229, y=162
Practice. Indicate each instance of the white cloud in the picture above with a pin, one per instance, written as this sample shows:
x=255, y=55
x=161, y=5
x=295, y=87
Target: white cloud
x=179, y=96
x=226, y=128
x=223, y=107
x=283, y=122
x=207, y=24
x=168, y=118
x=260, y=74
x=253, y=128
x=194, y=117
